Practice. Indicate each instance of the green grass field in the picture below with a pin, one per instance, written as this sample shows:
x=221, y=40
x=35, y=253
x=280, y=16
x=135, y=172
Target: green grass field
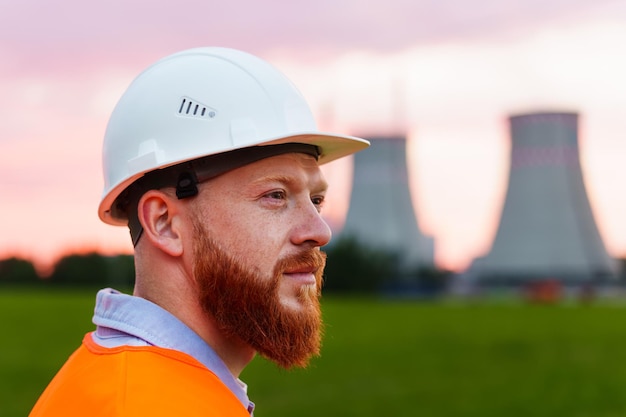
x=380, y=358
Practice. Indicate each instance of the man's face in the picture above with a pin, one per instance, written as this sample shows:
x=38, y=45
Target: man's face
x=256, y=255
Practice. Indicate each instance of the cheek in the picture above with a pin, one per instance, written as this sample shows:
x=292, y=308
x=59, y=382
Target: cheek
x=254, y=245
x=255, y=237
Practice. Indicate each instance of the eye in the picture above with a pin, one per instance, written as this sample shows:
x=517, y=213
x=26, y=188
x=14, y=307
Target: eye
x=276, y=195
x=318, y=201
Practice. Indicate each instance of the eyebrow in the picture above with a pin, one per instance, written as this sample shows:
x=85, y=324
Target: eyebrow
x=317, y=185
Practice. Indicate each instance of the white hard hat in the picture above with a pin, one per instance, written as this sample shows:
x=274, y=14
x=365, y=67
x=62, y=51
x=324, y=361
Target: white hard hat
x=202, y=102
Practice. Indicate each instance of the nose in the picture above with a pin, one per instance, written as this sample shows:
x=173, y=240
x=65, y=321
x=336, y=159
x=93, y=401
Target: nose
x=311, y=228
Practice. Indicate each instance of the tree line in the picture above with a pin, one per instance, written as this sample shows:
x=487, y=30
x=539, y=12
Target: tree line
x=351, y=268
x=92, y=269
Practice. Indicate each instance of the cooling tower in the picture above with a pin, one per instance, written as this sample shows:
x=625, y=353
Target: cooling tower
x=547, y=228
x=381, y=213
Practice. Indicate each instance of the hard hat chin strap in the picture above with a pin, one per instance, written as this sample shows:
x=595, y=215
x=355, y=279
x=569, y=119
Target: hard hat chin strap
x=187, y=185
x=187, y=175
x=135, y=228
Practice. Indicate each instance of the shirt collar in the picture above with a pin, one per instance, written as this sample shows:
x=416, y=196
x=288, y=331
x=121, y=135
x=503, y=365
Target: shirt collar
x=123, y=319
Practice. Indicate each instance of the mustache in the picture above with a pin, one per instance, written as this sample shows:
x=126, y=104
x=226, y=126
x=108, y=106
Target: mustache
x=311, y=259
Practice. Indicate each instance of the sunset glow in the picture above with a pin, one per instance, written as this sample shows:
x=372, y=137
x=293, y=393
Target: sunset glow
x=448, y=86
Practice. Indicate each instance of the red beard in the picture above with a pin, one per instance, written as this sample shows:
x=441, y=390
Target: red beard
x=246, y=305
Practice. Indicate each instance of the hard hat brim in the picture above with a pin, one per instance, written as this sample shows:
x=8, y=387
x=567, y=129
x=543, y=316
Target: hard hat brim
x=331, y=147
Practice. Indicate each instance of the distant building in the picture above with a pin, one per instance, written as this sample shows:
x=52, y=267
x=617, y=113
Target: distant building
x=381, y=213
x=547, y=229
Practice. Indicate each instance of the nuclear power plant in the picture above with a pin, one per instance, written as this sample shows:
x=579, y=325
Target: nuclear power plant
x=547, y=229
x=381, y=213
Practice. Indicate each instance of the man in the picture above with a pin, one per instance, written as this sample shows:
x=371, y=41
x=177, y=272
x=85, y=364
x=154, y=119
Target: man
x=211, y=158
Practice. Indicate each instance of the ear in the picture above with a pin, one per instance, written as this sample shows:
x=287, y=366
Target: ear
x=160, y=217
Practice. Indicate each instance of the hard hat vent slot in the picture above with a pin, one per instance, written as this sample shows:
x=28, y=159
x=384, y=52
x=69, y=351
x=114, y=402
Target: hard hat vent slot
x=192, y=108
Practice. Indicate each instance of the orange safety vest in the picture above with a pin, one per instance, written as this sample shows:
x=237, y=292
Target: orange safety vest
x=135, y=381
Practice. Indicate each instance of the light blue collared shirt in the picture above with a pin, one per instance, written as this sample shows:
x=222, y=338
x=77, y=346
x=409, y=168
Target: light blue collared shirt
x=125, y=320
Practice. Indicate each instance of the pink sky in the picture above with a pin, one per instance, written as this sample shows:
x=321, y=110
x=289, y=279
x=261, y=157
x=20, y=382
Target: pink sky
x=446, y=73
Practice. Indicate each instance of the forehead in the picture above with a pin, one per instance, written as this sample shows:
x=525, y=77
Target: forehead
x=295, y=166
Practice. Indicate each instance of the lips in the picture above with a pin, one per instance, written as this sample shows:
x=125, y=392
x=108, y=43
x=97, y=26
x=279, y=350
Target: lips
x=305, y=269
x=302, y=275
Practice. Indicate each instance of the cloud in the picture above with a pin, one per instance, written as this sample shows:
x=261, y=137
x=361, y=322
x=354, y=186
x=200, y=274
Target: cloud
x=87, y=34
